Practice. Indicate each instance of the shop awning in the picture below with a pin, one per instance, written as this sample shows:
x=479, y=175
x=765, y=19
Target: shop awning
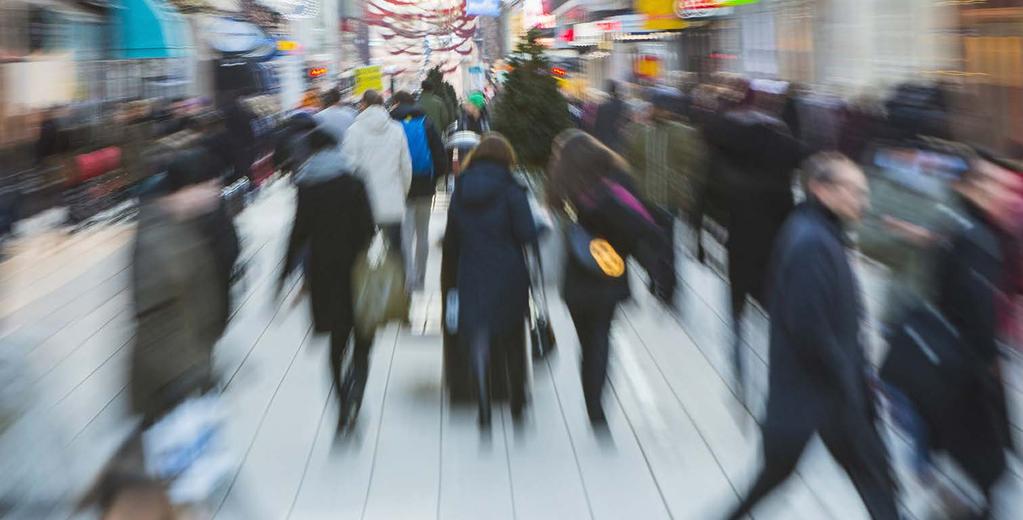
x=150, y=29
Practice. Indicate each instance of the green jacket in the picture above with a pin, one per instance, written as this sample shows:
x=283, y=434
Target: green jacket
x=910, y=279
x=434, y=108
x=668, y=160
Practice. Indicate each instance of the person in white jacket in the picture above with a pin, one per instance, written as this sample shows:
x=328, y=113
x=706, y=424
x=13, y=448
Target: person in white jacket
x=377, y=147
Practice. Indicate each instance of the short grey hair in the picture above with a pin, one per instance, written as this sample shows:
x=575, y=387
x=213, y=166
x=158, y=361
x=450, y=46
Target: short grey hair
x=822, y=167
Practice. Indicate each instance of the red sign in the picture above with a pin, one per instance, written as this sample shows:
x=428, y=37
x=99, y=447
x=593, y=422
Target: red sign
x=317, y=72
x=558, y=72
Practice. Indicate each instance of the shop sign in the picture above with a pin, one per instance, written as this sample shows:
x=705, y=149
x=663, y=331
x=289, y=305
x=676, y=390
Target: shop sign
x=287, y=45
x=234, y=36
x=592, y=32
x=660, y=15
x=316, y=72
x=693, y=9
x=648, y=66
x=368, y=78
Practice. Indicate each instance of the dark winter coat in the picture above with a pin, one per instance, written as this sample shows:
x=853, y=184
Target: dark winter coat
x=969, y=273
x=817, y=367
x=755, y=157
x=425, y=185
x=612, y=116
x=489, y=225
x=178, y=308
x=333, y=219
x=603, y=215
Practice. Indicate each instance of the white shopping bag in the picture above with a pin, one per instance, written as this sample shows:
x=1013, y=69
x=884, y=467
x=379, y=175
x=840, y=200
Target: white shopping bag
x=186, y=448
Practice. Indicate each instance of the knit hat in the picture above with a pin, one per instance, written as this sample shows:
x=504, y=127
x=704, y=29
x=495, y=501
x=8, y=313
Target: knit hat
x=478, y=100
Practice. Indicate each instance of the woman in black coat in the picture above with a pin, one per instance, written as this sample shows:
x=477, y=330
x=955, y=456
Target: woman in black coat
x=489, y=226
x=593, y=180
x=334, y=220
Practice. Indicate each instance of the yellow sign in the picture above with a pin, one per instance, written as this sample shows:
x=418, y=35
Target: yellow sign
x=660, y=15
x=287, y=45
x=368, y=78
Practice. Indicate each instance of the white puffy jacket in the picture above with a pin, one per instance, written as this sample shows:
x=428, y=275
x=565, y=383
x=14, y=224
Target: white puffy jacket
x=377, y=147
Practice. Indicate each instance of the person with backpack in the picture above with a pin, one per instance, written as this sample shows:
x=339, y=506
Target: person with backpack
x=426, y=149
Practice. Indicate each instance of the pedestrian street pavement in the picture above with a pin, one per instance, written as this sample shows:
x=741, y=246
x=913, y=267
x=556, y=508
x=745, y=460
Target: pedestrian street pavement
x=680, y=442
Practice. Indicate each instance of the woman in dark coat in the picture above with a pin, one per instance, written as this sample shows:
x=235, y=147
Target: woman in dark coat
x=489, y=226
x=333, y=219
x=593, y=180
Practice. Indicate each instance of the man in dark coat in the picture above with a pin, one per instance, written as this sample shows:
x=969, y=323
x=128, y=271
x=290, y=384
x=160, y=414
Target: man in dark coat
x=817, y=377
x=754, y=157
x=612, y=116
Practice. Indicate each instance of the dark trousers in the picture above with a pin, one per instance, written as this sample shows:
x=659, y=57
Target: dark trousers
x=508, y=368
x=860, y=451
x=593, y=326
x=351, y=383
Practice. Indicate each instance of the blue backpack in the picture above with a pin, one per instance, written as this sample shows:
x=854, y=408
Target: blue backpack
x=418, y=145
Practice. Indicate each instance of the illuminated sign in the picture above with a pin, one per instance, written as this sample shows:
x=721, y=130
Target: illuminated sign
x=316, y=72
x=287, y=45
x=690, y=9
x=558, y=72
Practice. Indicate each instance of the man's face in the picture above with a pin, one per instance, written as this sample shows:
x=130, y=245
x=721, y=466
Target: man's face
x=848, y=195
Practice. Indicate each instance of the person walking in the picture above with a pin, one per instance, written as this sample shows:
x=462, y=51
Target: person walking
x=178, y=291
x=489, y=226
x=429, y=161
x=379, y=154
x=334, y=221
x=335, y=118
x=435, y=108
x=612, y=116
x=611, y=225
x=971, y=274
x=818, y=370
x=756, y=156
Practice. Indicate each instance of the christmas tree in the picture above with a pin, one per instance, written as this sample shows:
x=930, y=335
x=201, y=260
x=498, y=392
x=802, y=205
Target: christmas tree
x=531, y=111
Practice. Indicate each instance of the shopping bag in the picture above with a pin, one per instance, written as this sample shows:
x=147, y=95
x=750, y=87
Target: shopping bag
x=378, y=288
x=186, y=449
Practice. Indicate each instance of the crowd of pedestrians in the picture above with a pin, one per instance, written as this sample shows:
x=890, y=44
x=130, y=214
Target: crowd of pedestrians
x=797, y=182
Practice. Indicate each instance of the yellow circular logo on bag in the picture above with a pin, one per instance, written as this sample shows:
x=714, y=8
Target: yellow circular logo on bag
x=607, y=258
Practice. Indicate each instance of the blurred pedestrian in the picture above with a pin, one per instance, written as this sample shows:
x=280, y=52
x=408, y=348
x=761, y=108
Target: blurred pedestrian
x=970, y=276
x=435, y=108
x=334, y=221
x=489, y=227
x=668, y=158
x=379, y=154
x=335, y=117
x=429, y=161
x=818, y=369
x=178, y=296
x=611, y=225
x=612, y=116
x=473, y=117
x=755, y=157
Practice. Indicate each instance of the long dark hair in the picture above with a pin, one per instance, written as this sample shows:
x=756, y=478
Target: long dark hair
x=493, y=147
x=579, y=163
